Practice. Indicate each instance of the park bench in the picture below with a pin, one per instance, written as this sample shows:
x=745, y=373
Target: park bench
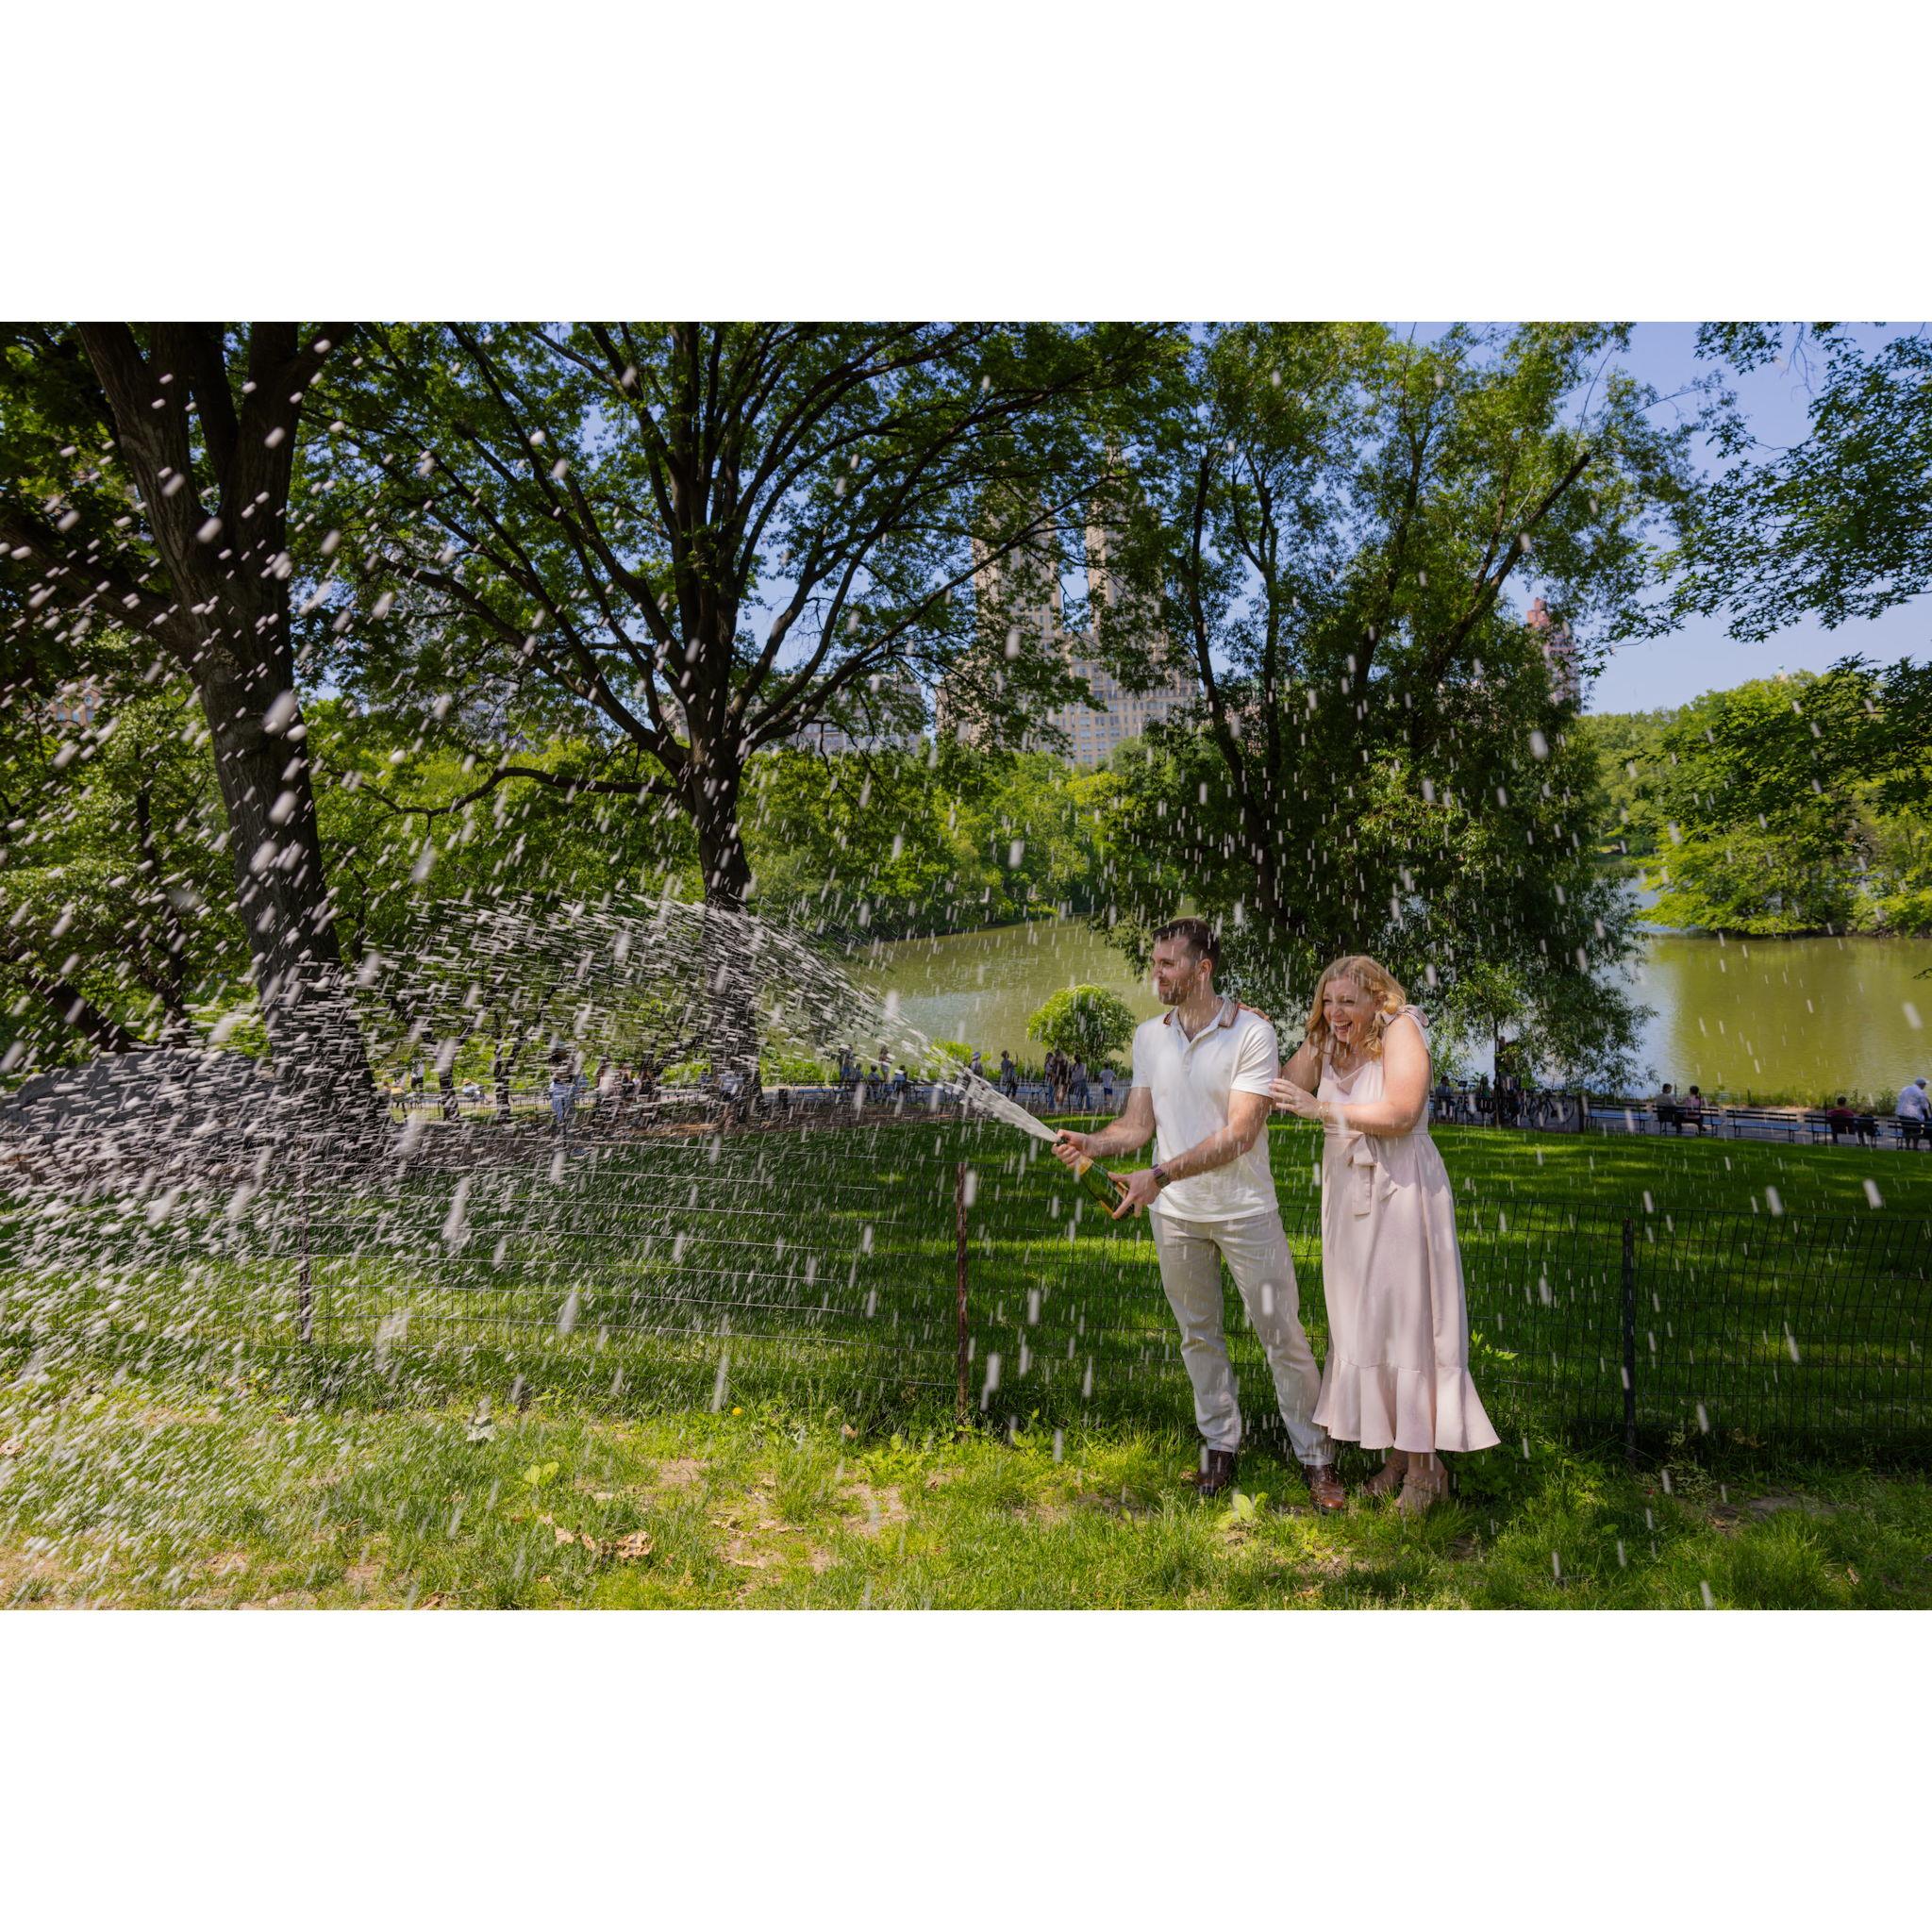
x=1644, y=1116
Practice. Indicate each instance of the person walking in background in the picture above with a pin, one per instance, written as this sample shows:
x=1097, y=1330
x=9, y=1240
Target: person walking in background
x=1912, y=1108
x=1397, y=1377
x=1009, y=1076
x=1082, y=1087
x=1200, y=1085
x=1106, y=1087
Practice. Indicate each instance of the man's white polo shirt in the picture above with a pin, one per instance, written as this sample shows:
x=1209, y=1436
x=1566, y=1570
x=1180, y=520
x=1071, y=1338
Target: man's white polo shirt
x=1189, y=1082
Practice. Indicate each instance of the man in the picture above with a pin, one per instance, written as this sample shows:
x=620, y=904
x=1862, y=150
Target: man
x=1200, y=1086
x=1010, y=1075
x=564, y=1095
x=1912, y=1108
x=1667, y=1108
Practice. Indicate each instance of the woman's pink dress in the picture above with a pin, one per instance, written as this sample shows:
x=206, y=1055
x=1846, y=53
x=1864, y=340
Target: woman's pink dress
x=1398, y=1325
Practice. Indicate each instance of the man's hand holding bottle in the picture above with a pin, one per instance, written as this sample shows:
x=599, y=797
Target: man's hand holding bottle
x=1120, y=1195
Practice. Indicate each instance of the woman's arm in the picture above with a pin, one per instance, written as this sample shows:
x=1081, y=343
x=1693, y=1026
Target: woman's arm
x=1305, y=1069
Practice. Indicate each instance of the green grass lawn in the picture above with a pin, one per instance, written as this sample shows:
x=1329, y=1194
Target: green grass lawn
x=163, y=1438
x=206, y=1488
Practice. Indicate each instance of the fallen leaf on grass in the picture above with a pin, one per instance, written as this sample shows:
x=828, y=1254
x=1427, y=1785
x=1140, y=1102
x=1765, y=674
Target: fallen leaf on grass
x=630, y=1548
x=12, y=1448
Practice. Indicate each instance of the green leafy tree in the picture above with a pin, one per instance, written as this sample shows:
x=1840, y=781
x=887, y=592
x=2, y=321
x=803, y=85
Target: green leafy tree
x=144, y=485
x=116, y=929
x=705, y=537
x=1839, y=524
x=1086, y=1022
x=1624, y=744
x=947, y=839
x=1383, y=758
x=1795, y=805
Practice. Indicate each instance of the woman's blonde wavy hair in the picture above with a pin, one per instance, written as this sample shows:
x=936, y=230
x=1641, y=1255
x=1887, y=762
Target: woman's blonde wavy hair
x=1377, y=981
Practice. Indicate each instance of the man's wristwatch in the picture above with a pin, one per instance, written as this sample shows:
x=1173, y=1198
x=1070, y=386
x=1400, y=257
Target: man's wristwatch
x=1161, y=1175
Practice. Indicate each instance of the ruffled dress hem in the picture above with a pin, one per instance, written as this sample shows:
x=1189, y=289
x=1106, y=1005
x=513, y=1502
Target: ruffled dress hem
x=1419, y=1411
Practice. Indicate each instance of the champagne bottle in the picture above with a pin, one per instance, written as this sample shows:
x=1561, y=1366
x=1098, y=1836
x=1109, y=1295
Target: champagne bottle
x=1106, y=1189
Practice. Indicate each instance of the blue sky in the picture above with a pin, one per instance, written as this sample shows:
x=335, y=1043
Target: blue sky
x=1701, y=656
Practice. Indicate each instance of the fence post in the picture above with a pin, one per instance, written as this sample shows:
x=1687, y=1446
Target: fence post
x=964, y=1341
x=1629, y=1326
x=304, y=1296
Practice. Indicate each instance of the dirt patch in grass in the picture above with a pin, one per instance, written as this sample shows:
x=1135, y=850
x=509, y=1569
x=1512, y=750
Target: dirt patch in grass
x=1763, y=1508
x=876, y=1508
x=680, y=1472
x=35, y=1579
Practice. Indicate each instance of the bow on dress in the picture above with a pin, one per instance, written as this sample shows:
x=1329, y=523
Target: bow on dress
x=1363, y=1159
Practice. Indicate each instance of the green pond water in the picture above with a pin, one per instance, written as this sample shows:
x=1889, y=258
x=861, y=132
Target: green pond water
x=1812, y=1016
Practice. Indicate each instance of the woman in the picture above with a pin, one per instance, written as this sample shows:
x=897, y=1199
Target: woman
x=1397, y=1376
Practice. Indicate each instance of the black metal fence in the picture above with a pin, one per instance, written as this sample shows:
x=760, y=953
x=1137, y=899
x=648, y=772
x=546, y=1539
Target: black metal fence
x=903, y=1262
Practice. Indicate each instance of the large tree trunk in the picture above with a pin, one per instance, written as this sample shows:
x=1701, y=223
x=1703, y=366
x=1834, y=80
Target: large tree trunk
x=279, y=887
x=732, y=977
x=228, y=627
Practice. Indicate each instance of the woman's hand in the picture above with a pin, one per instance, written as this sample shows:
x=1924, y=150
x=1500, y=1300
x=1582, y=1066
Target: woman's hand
x=1290, y=1098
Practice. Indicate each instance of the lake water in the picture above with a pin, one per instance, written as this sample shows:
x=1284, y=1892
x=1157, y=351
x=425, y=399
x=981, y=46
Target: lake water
x=1814, y=1015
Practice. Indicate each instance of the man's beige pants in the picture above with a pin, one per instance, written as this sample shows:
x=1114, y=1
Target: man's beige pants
x=1256, y=1250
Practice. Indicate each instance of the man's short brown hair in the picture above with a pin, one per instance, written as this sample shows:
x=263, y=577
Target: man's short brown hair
x=1197, y=935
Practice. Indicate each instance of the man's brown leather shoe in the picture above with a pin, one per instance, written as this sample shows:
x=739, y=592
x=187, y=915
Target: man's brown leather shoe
x=1217, y=1472
x=1325, y=1488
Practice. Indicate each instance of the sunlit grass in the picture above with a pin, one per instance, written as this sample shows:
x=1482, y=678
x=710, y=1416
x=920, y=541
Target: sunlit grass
x=184, y=1487
x=164, y=1438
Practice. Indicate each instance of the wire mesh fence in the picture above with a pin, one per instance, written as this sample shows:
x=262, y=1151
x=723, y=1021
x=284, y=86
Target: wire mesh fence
x=910, y=1261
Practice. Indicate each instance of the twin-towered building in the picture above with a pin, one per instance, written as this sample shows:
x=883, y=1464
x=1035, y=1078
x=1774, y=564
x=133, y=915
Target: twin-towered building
x=1020, y=609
